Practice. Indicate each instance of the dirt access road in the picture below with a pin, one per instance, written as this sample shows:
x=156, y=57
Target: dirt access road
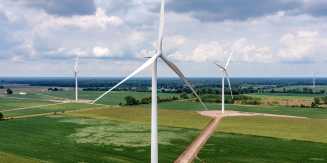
x=191, y=151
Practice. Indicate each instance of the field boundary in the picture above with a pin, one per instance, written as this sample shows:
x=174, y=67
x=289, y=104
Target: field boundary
x=193, y=149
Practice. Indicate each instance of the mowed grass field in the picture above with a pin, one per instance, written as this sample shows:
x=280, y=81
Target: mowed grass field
x=318, y=113
x=49, y=109
x=222, y=148
x=112, y=98
x=33, y=96
x=303, y=129
x=8, y=158
x=58, y=138
x=14, y=103
x=286, y=96
x=139, y=115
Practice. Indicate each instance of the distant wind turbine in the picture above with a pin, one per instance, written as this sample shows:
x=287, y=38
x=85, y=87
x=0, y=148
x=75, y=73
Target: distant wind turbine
x=224, y=70
x=76, y=85
x=314, y=80
x=153, y=61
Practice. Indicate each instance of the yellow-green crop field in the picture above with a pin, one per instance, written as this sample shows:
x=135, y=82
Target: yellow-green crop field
x=139, y=115
x=303, y=129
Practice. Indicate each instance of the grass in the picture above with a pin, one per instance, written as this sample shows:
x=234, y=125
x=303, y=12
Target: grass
x=317, y=87
x=58, y=138
x=14, y=103
x=303, y=129
x=112, y=98
x=318, y=113
x=49, y=109
x=138, y=115
x=33, y=96
x=223, y=148
x=8, y=158
x=288, y=96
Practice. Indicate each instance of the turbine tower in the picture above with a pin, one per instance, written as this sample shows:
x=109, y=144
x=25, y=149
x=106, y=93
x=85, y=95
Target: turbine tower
x=223, y=85
x=153, y=61
x=313, y=80
x=76, y=85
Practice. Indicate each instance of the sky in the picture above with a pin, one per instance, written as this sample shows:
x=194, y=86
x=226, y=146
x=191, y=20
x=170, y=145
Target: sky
x=280, y=38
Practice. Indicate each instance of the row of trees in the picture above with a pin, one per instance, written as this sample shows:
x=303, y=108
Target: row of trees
x=305, y=90
x=131, y=100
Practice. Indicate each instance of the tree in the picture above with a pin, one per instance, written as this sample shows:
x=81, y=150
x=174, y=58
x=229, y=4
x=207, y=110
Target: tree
x=183, y=95
x=317, y=100
x=1, y=116
x=313, y=105
x=9, y=91
x=2, y=87
x=130, y=100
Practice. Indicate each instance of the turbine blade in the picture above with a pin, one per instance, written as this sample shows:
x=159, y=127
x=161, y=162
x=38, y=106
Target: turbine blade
x=229, y=84
x=219, y=66
x=146, y=64
x=161, y=25
x=67, y=72
x=229, y=58
x=179, y=73
x=76, y=62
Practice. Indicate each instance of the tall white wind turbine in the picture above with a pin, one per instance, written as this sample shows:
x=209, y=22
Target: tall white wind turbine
x=153, y=61
x=224, y=70
x=314, y=80
x=76, y=85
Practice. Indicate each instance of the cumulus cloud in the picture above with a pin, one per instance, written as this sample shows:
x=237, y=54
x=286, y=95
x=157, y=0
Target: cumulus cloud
x=101, y=52
x=100, y=19
x=301, y=48
x=76, y=51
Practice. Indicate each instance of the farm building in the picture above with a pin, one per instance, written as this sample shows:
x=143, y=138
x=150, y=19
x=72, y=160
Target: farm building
x=22, y=93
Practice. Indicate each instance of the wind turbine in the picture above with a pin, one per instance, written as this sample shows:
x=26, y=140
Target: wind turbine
x=223, y=85
x=314, y=80
x=153, y=61
x=76, y=86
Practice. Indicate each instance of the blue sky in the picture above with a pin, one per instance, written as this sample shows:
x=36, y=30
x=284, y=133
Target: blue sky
x=281, y=38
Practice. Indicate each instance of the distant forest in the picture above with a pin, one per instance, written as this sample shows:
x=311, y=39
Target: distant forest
x=167, y=83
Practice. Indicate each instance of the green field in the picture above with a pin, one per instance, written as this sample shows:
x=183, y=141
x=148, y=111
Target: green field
x=49, y=109
x=318, y=113
x=222, y=148
x=288, y=96
x=317, y=88
x=8, y=158
x=303, y=129
x=33, y=96
x=112, y=98
x=166, y=117
x=58, y=138
x=14, y=103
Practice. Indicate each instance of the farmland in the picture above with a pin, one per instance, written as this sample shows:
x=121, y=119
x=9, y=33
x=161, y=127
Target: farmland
x=222, y=147
x=59, y=138
x=286, y=96
x=49, y=109
x=166, y=117
x=318, y=113
x=7, y=158
x=302, y=129
x=13, y=103
x=95, y=133
x=112, y=98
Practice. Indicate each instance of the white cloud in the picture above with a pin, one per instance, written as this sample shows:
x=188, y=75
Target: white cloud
x=76, y=51
x=101, y=52
x=300, y=48
x=100, y=19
